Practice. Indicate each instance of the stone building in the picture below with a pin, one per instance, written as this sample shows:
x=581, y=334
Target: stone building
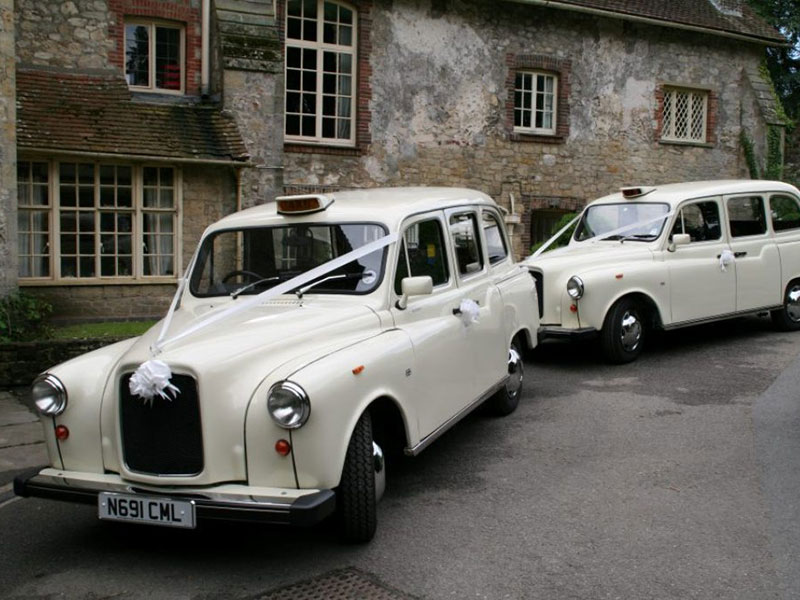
x=141, y=121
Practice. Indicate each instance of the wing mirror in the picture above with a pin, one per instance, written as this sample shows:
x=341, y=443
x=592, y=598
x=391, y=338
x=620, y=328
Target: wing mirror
x=679, y=239
x=414, y=286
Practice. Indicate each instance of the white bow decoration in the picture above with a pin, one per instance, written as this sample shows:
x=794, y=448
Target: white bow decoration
x=726, y=258
x=151, y=379
x=469, y=311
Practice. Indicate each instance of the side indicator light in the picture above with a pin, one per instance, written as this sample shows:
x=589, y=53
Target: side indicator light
x=358, y=370
x=283, y=447
x=573, y=308
x=62, y=433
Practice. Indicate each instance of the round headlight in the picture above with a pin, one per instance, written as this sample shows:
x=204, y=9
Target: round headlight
x=49, y=395
x=288, y=405
x=575, y=287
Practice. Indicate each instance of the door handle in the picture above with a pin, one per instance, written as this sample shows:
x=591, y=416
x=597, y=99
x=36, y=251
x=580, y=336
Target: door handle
x=739, y=254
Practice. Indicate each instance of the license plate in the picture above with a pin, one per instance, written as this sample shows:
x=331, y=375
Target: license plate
x=145, y=509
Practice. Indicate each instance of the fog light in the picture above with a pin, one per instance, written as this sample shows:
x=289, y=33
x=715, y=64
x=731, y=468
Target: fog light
x=283, y=447
x=62, y=433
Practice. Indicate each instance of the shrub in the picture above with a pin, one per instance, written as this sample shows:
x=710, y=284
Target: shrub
x=23, y=317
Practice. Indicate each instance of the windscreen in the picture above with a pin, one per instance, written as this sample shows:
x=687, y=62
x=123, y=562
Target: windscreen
x=630, y=221
x=252, y=260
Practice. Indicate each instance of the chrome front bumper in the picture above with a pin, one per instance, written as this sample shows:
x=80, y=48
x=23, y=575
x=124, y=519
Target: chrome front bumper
x=233, y=502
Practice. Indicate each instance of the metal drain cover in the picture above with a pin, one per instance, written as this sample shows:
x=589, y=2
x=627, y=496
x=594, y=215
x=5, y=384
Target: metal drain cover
x=342, y=584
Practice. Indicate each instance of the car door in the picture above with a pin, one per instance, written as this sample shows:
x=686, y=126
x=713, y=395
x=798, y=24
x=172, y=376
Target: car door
x=698, y=287
x=758, y=267
x=441, y=382
x=485, y=338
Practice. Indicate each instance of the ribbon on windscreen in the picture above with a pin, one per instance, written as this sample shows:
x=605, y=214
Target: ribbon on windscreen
x=606, y=235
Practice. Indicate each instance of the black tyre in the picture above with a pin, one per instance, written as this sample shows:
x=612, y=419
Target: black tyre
x=788, y=317
x=506, y=399
x=356, y=498
x=623, y=334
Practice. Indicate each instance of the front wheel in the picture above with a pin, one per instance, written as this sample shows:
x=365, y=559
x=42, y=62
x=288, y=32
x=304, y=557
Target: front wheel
x=505, y=400
x=622, y=337
x=788, y=317
x=363, y=480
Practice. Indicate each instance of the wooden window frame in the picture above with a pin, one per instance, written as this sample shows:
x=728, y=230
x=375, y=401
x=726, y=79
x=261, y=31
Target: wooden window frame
x=152, y=25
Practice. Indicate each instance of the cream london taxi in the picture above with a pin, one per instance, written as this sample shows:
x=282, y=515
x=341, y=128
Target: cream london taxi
x=671, y=256
x=312, y=338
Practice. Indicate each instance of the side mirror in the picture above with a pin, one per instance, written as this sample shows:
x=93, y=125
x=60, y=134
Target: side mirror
x=679, y=239
x=414, y=286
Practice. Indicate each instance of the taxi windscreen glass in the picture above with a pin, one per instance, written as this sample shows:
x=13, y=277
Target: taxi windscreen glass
x=629, y=221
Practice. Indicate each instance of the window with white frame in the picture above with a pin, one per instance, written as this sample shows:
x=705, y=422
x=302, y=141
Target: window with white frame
x=154, y=56
x=320, y=72
x=535, y=102
x=685, y=115
x=83, y=221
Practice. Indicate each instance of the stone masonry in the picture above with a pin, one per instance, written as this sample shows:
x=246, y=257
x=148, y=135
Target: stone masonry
x=440, y=91
x=8, y=154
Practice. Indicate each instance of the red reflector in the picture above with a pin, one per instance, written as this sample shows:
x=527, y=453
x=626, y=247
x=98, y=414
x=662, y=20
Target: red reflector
x=573, y=308
x=358, y=369
x=618, y=276
x=62, y=432
x=283, y=447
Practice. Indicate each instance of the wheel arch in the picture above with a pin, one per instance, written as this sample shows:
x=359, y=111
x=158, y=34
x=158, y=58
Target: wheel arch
x=650, y=307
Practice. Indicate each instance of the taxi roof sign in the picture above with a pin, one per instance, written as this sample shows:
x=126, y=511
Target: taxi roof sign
x=303, y=204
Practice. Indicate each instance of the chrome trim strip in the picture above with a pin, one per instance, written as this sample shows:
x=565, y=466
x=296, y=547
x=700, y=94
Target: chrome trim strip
x=436, y=433
x=724, y=317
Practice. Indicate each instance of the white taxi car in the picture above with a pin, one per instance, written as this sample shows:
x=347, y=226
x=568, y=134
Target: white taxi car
x=672, y=256
x=309, y=337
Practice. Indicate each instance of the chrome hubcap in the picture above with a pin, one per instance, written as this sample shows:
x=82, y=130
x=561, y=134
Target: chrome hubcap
x=793, y=304
x=379, y=463
x=631, y=331
x=514, y=381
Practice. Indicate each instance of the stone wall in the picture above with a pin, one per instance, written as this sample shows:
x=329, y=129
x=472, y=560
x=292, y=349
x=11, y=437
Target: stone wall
x=8, y=152
x=440, y=73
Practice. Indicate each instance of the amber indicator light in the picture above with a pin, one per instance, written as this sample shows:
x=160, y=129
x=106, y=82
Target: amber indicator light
x=62, y=432
x=358, y=370
x=283, y=447
x=301, y=205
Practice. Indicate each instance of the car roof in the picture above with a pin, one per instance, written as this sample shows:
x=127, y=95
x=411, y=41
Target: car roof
x=379, y=205
x=675, y=193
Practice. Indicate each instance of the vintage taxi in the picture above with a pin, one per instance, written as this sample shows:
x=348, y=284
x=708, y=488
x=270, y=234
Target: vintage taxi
x=670, y=256
x=311, y=339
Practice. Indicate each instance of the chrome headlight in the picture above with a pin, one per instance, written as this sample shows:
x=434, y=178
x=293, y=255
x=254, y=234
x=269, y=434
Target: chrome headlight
x=288, y=405
x=49, y=395
x=575, y=287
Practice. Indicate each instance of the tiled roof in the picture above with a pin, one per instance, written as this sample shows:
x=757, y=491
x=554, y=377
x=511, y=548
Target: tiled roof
x=97, y=114
x=741, y=21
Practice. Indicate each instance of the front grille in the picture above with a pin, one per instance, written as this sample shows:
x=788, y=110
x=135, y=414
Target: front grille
x=538, y=278
x=162, y=437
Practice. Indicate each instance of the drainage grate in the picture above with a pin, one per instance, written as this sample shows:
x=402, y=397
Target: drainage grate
x=343, y=584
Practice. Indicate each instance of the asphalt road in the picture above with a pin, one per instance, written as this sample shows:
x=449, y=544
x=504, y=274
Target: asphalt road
x=674, y=477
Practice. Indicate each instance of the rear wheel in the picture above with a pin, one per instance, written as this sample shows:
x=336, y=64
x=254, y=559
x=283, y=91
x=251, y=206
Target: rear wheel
x=505, y=400
x=363, y=479
x=788, y=317
x=623, y=334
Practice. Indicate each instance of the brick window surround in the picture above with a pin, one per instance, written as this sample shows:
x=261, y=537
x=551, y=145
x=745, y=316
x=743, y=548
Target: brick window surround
x=363, y=137
x=712, y=112
x=562, y=68
x=177, y=11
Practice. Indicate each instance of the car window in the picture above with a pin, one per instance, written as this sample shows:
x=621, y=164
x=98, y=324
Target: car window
x=466, y=243
x=746, y=216
x=495, y=243
x=785, y=213
x=422, y=252
x=700, y=220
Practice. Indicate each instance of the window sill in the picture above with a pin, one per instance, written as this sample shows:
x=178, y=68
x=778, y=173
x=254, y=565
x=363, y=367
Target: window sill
x=686, y=143
x=95, y=282
x=537, y=138
x=300, y=148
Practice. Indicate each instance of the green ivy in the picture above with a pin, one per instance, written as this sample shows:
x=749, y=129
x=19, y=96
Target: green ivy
x=23, y=317
x=750, y=155
x=774, y=168
x=563, y=239
x=779, y=109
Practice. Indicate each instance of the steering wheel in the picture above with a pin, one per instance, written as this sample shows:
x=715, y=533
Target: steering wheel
x=238, y=272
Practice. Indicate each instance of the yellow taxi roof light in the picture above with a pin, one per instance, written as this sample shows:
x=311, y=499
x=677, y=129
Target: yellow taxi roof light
x=304, y=204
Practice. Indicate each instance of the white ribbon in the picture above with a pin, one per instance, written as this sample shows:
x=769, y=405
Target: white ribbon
x=726, y=258
x=242, y=305
x=608, y=234
x=469, y=311
x=151, y=379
